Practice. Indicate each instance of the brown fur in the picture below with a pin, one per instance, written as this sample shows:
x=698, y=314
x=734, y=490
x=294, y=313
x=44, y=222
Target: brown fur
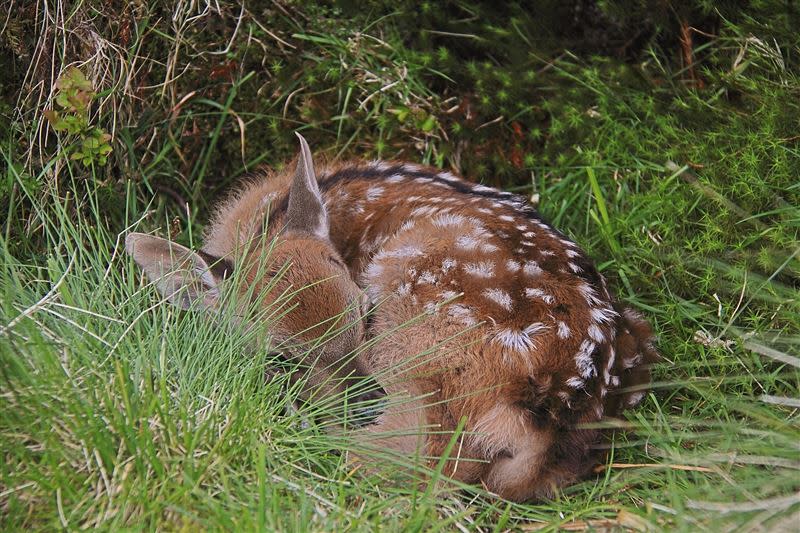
x=518, y=330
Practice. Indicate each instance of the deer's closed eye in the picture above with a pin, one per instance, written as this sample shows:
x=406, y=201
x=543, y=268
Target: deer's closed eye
x=336, y=261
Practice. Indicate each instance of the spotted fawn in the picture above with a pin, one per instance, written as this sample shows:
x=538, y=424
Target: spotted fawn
x=481, y=312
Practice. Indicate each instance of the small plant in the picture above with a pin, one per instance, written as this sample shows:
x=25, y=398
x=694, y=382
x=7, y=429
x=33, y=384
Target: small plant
x=86, y=143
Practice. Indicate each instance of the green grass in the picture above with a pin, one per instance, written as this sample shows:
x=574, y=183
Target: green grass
x=117, y=411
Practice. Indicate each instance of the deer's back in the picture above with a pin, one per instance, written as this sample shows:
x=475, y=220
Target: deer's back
x=474, y=258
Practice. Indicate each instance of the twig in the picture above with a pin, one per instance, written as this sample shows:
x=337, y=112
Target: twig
x=688, y=468
x=289, y=98
x=780, y=400
x=451, y=34
x=495, y=121
x=772, y=353
x=235, y=32
x=43, y=301
x=783, y=502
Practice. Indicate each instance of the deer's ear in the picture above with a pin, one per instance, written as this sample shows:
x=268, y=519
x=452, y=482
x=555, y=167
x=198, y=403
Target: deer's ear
x=180, y=274
x=306, y=212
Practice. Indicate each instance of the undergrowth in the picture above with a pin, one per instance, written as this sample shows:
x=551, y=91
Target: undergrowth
x=678, y=173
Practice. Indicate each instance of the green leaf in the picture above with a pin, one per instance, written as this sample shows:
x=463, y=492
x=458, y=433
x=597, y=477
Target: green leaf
x=429, y=123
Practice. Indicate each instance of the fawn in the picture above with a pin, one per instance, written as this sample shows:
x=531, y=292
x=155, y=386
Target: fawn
x=519, y=333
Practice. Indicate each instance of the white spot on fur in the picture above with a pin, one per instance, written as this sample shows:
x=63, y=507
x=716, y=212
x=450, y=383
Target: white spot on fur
x=482, y=188
x=448, y=295
x=374, y=192
x=631, y=362
x=424, y=210
x=531, y=292
x=532, y=268
x=448, y=264
x=596, y=333
x=514, y=340
x=633, y=316
x=431, y=308
x=484, y=210
x=500, y=297
x=404, y=289
x=395, y=178
x=444, y=221
x=483, y=269
x=634, y=399
x=506, y=218
x=575, y=382
x=380, y=165
x=589, y=294
x=575, y=268
x=407, y=225
x=413, y=198
x=535, y=328
x=467, y=242
x=426, y=278
x=522, y=227
x=529, y=235
x=463, y=313
x=563, y=330
x=603, y=314
x=512, y=265
x=583, y=359
x=488, y=248
x=528, y=244
x=612, y=357
x=423, y=180
x=546, y=253
x=571, y=253
x=447, y=176
x=604, y=286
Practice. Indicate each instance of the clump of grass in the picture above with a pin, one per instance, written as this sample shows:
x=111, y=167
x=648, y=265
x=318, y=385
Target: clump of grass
x=116, y=411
